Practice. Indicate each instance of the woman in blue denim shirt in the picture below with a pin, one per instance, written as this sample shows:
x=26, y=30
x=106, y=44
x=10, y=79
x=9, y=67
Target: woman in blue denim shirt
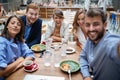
x=13, y=49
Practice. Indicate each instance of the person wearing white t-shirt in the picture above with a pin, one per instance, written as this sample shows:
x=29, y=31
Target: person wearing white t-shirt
x=78, y=30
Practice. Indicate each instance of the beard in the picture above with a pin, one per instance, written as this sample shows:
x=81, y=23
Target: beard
x=97, y=36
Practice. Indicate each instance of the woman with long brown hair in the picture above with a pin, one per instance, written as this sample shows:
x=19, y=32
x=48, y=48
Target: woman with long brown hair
x=13, y=49
x=78, y=28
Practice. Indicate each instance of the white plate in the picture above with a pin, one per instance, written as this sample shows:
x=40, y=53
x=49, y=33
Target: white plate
x=70, y=50
x=34, y=69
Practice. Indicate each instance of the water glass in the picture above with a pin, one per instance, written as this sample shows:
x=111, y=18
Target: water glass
x=71, y=38
x=56, y=60
x=56, y=55
x=48, y=43
x=71, y=41
x=63, y=49
x=56, y=47
x=47, y=58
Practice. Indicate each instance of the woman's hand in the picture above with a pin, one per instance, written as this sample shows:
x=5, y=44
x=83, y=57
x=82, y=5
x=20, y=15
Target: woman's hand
x=20, y=59
x=20, y=63
x=75, y=36
x=56, y=39
x=12, y=67
x=79, y=44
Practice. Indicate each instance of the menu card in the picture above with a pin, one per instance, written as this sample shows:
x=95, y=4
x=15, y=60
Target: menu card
x=42, y=77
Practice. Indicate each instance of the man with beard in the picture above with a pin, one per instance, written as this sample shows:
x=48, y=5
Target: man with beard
x=32, y=25
x=100, y=53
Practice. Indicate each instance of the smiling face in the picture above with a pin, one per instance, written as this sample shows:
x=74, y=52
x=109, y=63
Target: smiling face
x=14, y=27
x=80, y=19
x=95, y=28
x=58, y=20
x=58, y=17
x=32, y=15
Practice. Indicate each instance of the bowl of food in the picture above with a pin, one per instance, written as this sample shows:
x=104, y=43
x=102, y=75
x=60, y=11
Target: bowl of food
x=37, y=48
x=69, y=64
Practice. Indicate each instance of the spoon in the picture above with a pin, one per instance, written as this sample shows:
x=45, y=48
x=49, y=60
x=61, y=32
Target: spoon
x=69, y=72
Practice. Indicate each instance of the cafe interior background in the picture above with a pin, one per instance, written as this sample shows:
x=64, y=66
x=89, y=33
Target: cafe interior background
x=69, y=8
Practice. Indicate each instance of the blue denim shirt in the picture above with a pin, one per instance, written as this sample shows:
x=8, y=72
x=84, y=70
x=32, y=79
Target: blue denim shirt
x=10, y=51
x=102, y=58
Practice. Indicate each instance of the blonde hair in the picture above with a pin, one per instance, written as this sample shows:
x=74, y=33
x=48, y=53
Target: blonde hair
x=32, y=6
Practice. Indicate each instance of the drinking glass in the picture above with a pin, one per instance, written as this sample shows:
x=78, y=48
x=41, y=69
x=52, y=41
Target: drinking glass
x=63, y=48
x=56, y=55
x=71, y=41
x=47, y=58
x=48, y=43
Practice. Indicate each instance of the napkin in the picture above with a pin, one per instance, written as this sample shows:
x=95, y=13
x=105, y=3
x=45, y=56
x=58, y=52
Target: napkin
x=42, y=77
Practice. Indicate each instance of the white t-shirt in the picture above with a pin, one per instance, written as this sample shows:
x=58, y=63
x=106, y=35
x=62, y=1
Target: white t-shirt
x=81, y=36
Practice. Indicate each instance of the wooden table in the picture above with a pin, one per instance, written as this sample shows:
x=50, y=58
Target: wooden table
x=49, y=71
